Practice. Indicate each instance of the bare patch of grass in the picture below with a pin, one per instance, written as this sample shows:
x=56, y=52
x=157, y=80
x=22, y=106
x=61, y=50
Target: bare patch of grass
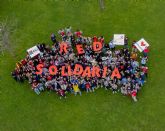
x=7, y=27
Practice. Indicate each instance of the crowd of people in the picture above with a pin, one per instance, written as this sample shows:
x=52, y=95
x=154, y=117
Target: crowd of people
x=132, y=66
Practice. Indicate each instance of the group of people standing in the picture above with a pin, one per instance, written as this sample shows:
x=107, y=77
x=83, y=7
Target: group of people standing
x=131, y=66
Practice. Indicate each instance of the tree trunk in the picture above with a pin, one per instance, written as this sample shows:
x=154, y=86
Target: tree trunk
x=101, y=3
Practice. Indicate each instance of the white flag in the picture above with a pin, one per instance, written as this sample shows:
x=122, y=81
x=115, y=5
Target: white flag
x=118, y=39
x=141, y=45
x=33, y=51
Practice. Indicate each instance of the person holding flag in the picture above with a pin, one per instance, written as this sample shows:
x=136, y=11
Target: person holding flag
x=145, y=52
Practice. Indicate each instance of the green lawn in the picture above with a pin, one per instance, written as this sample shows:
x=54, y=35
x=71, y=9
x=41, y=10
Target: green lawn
x=21, y=109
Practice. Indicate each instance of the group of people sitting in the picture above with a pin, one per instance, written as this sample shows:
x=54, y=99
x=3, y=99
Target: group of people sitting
x=125, y=59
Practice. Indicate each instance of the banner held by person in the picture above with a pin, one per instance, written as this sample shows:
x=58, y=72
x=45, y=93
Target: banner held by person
x=118, y=39
x=141, y=45
x=33, y=51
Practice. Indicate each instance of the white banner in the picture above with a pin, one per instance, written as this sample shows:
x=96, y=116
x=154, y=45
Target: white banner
x=118, y=39
x=33, y=51
x=141, y=44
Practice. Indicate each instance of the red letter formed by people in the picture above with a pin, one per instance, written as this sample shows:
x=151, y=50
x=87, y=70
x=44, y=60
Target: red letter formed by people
x=97, y=46
x=116, y=73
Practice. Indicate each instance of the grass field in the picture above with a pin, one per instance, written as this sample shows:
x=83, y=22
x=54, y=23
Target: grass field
x=21, y=109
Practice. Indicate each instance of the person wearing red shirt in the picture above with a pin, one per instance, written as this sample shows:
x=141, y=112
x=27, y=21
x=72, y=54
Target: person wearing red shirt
x=87, y=86
x=78, y=33
x=24, y=62
x=95, y=39
x=34, y=87
x=101, y=39
x=145, y=70
x=61, y=93
x=49, y=78
x=133, y=94
x=145, y=52
x=61, y=32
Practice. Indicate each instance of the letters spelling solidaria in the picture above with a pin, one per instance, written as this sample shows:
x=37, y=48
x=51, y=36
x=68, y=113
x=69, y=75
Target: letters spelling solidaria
x=95, y=71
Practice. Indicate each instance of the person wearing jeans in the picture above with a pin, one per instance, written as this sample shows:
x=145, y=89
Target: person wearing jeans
x=76, y=89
